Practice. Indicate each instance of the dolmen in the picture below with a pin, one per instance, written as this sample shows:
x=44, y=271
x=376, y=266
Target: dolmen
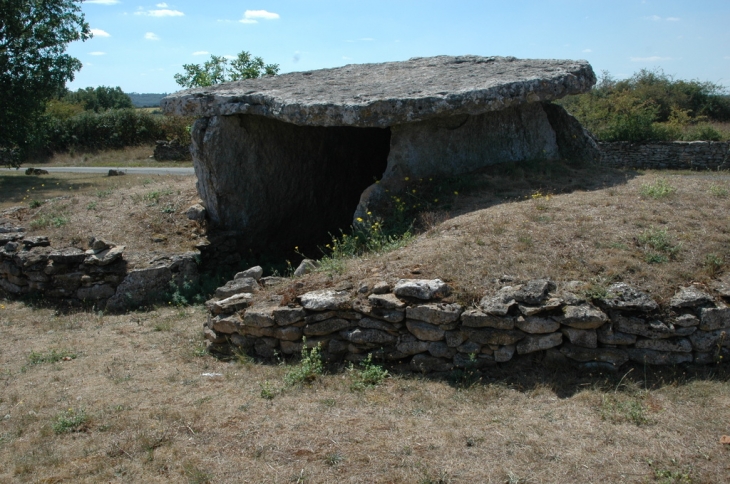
x=289, y=158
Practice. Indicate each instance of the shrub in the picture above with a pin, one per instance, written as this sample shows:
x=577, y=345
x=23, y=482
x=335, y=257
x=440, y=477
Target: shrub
x=368, y=375
x=659, y=189
x=308, y=368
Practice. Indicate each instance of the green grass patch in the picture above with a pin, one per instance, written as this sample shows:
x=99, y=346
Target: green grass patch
x=70, y=421
x=661, y=188
x=52, y=356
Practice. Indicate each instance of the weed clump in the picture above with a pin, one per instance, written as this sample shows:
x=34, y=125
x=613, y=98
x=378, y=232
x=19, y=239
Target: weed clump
x=309, y=367
x=661, y=188
x=368, y=375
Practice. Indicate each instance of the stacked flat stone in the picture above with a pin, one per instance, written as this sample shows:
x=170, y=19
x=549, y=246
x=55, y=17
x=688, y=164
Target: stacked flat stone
x=675, y=155
x=410, y=325
x=98, y=276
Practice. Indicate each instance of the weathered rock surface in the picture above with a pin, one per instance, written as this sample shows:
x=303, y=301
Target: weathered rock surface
x=325, y=300
x=391, y=93
x=624, y=297
x=425, y=289
x=287, y=157
x=689, y=297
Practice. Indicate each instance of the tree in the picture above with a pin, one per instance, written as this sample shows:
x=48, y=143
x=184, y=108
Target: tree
x=218, y=70
x=33, y=65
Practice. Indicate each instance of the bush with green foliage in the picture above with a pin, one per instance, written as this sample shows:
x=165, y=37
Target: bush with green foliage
x=651, y=105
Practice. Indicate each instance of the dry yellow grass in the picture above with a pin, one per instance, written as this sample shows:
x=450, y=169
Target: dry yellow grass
x=119, y=158
x=158, y=410
x=137, y=400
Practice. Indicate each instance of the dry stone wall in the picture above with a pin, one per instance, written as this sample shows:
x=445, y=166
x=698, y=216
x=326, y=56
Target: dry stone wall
x=99, y=276
x=675, y=155
x=410, y=325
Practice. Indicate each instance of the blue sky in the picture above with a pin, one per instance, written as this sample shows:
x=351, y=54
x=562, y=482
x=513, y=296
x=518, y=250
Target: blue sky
x=140, y=46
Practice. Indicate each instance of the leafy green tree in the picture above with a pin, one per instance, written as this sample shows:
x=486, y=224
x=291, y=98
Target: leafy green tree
x=34, y=67
x=218, y=70
x=99, y=99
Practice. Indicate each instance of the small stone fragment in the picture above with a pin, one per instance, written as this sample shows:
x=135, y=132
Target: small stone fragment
x=586, y=338
x=305, y=267
x=535, y=325
x=675, y=345
x=504, y=353
x=614, y=356
x=424, y=289
x=651, y=357
x=608, y=336
x=585, y=316
x=532, y=343
x=623, y=297
x=254, y=272
x=327, y=326
x=439, y=349
x=427, y=364
x=425, y=331
x=435, y=313
x=326, y=300
x=690, y=297
x=246, y=285
x=386, y=301
x=534, y=291
x=715, y=318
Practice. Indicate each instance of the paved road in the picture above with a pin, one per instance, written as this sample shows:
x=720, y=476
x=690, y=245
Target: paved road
x=105, y=169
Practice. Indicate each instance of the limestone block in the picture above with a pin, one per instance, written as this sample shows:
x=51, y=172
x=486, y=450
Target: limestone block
x=715, y=318
x=584, y=316
x=535, y=325
x=326, y=300
x=623, y=297
x=586, y=338
x=474, y=318
x=532, y=343
x=425, y=331
x=435, y=313
x=424, y=289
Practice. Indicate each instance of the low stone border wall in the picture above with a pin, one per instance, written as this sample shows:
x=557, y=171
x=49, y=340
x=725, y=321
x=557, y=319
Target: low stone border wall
x=676, y=155
x=410, y=326
x=98, y=276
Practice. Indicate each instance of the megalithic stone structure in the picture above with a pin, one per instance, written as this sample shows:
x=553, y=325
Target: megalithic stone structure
x=286, y=159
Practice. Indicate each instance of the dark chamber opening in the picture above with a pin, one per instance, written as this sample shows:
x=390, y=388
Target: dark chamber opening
x=311, y=179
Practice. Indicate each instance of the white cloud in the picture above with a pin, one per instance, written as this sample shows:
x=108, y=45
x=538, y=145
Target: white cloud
x=654, y=58
x=96, y=52
x=230, y=57
x=587, y=51
x=296, y=57
x=99, y=33
x=103, y=2
x=151, y=36
x=160, y=13
x=657, y=18
x=344, y=57
x=201, y=52
x=161, y=5
x=252, y=16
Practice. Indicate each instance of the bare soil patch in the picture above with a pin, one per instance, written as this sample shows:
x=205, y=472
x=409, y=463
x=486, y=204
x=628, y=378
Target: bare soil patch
x=146, y=213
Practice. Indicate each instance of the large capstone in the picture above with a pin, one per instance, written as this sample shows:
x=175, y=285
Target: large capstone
x=287, y=159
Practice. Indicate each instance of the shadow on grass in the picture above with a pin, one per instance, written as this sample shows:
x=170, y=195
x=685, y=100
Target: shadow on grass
x=16, y=187
x=529, y=373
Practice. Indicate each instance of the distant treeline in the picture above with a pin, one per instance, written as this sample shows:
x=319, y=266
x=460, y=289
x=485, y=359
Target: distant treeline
x=652, y=105
x=146, y=100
